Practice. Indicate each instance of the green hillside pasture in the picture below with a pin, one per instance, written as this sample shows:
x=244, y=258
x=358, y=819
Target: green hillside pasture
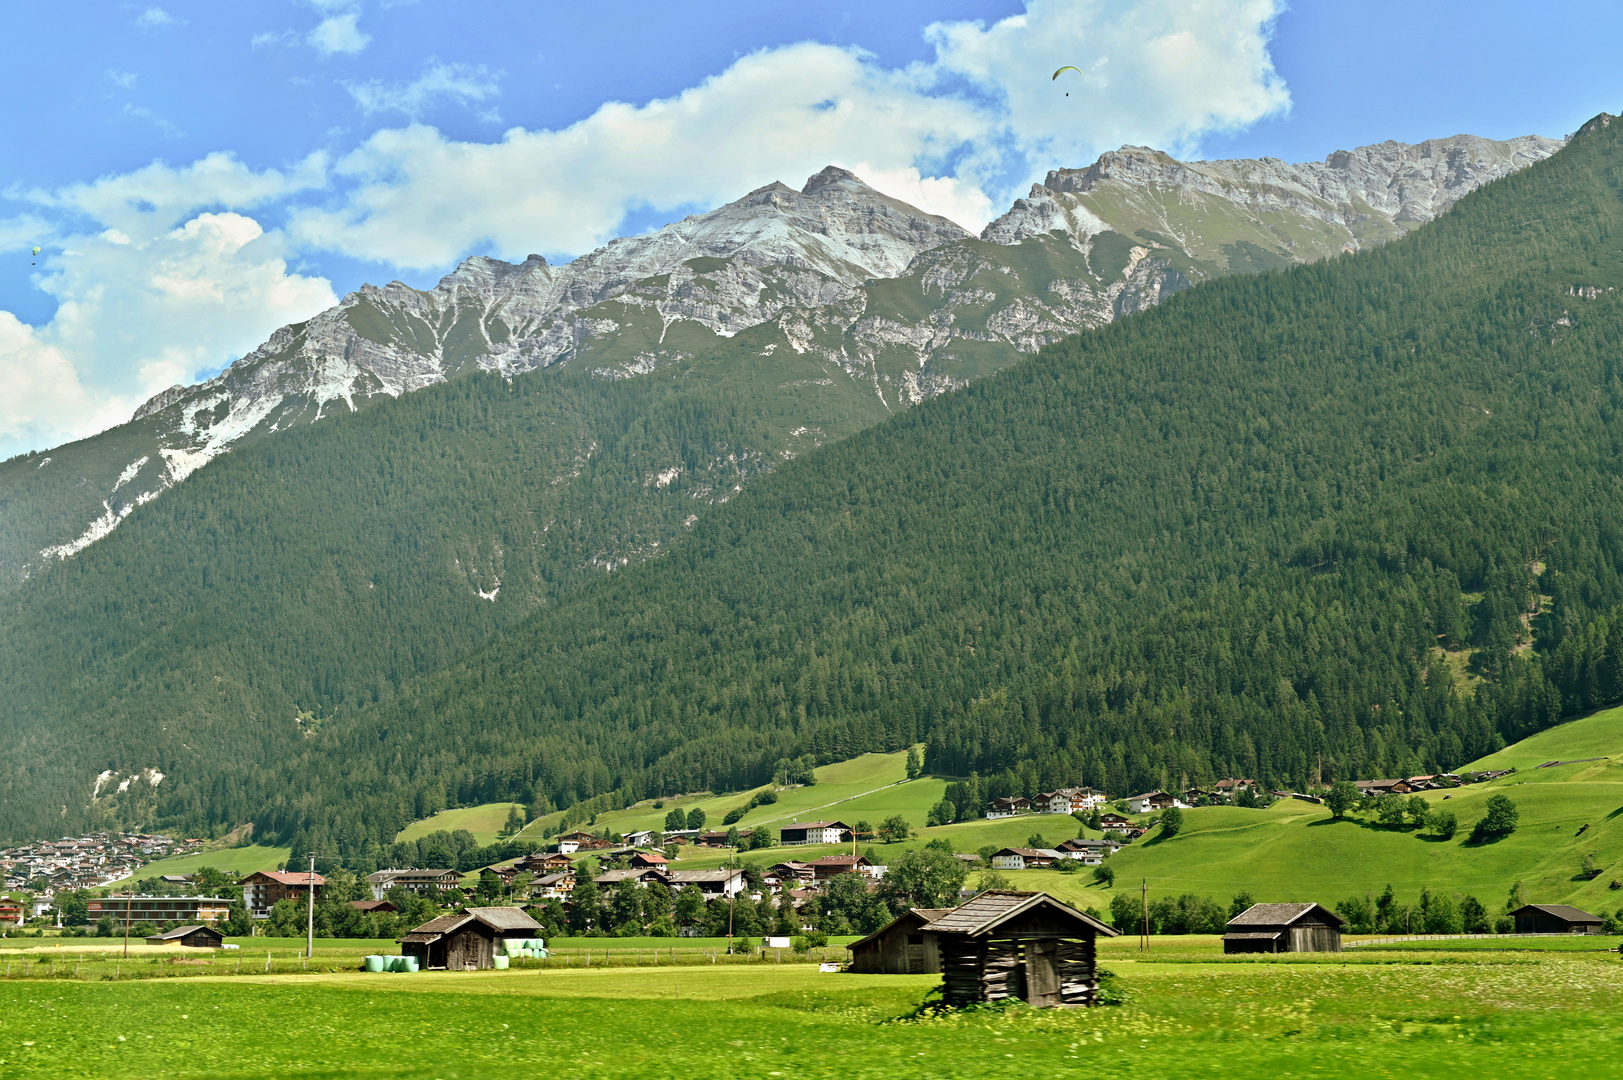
x=1295, y=851
x=837, y=793
x=484, y=822
x=1596, y=735
x=242, y=860
x=1543, y=1015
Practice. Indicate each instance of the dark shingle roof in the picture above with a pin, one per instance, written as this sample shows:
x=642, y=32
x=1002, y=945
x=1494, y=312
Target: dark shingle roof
x=504, y=918
x=1259, y=936
x=1565, y=911
x=993, y=908
x=1276, y=914
x=182, y=931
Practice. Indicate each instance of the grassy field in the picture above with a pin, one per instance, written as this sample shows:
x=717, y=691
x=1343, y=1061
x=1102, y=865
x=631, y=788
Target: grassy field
x=872, y=787
x=244, y=860
x=1574, y=943
x=1597, y=735
x=1291, y=851
x=1188, y=1014
x=484, y=822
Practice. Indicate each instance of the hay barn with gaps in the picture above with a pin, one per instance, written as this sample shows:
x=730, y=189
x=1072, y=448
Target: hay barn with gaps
x=1005, y=944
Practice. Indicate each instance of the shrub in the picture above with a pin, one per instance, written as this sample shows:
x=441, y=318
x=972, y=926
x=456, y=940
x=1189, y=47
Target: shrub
x=1106, y=874
x=1443, y=823
x=1171, y=821
x=811, y=939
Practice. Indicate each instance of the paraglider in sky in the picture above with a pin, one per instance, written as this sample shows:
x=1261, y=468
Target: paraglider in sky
x=1064, y=69
x=36, y=254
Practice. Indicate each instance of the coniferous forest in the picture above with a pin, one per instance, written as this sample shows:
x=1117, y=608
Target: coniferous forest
x=1357, y=518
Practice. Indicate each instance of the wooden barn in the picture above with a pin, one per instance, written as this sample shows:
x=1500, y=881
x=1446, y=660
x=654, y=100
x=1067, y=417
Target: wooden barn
x=193, y=937
x=1277, y=928
x=466, y=942
x=901, y=948
x=1556, y=919
x=1005, y=944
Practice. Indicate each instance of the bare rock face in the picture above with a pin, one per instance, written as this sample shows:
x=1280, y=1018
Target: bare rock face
x=1298, y=212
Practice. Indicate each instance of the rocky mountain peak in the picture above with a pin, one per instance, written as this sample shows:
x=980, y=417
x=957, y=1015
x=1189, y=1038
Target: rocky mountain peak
x=832, y=176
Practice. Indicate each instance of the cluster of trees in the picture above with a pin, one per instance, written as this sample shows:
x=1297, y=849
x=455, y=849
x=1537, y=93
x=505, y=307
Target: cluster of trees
x=1498, y=820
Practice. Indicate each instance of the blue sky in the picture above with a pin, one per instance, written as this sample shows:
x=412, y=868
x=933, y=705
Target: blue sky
x=200, y=173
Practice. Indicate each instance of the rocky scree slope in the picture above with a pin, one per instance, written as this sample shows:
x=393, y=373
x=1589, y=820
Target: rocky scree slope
x=893, y=304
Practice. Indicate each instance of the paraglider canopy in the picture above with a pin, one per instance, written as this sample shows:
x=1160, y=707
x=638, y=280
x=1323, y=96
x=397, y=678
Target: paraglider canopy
x=1064, y=69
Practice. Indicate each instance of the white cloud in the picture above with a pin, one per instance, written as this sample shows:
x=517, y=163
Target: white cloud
x=461, y=83
x=121, y=79
x=1158, y=72
x=151, y=294
x=156, y=197
x=163, y=271
x=956, y=136
x=339, y=34
x=421, y=200
x=157, y=16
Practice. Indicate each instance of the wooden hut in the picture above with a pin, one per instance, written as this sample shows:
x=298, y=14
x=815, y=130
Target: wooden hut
x=1027, y=945
x=900, y=948
x=1277, y=928
x=466, y=942
x=193, y=937
x=1556, y=919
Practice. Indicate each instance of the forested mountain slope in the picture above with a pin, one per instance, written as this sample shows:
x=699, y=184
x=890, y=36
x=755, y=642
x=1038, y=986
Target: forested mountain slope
x=250, y=614
x=895, y=304
x=1236, y=534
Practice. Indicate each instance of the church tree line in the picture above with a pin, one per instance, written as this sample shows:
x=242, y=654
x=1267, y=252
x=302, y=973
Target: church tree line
x=1265, y=529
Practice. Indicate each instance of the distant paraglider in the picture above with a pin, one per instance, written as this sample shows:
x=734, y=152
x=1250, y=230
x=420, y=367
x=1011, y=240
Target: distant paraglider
x=36, y=255
x=1064, y=69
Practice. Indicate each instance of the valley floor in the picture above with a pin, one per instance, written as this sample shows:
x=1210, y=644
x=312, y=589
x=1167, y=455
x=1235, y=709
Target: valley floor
x=1189, y=1013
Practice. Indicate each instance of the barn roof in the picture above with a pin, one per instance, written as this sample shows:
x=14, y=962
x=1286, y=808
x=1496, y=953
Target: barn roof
x=504, y=918
x=181, y=931
x=1562, y=911
x=497, y=918
x=923, y=915
x=995, y=907
x=1277, y=914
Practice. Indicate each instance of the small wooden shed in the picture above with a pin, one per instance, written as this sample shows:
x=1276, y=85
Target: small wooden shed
x=193, y=937
x=1277, y=928
x=1556, y=919
x=901, y=947
x=1028, y=945
x=466, y=942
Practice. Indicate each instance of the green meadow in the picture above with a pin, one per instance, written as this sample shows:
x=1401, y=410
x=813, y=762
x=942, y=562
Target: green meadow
x=1187, y=1014
x=243, y=860
x=1293, y=850
x=485, y=822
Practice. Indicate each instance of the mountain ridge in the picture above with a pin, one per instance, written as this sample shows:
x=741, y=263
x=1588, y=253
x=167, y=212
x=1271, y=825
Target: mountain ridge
x=806, y=260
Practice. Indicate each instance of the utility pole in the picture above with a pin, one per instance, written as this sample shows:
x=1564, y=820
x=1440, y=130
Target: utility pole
x=1144, y=915
x=129, y=902
x=310, y=917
